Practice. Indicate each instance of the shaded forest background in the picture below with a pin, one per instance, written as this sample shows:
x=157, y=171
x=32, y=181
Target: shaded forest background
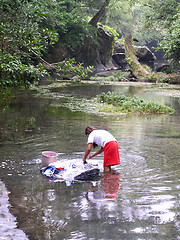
x=30, y=29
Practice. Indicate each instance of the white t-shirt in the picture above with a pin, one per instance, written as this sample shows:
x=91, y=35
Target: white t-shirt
x=100, y=137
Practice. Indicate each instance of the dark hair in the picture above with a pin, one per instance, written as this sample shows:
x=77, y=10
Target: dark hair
x=94, y=145
x=89, y=129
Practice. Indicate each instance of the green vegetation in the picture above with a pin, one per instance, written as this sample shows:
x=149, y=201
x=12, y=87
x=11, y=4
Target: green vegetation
x=23, y=38
x=121, y=103
x=29, y=29
x=119, y=76
x=69, y=68
x=164, y=18
x=171, y=42
x=111, y=30
x=69, y=19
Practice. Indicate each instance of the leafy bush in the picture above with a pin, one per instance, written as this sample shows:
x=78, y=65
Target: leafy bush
x=171, y=42
x=23, y=38
x=20, y=75
x=68, y=18
x=71, y=69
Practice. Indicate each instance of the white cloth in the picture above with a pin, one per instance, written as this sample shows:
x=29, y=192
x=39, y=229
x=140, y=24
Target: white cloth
x=100, y=137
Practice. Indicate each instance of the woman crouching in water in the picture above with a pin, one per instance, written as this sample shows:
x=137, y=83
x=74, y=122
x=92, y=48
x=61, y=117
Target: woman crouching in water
x=108, y=144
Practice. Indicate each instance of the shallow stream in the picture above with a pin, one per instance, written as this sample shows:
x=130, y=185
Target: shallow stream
x=140, y=202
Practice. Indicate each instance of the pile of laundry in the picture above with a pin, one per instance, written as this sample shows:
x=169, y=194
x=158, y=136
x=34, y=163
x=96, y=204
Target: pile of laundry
x=70, y=170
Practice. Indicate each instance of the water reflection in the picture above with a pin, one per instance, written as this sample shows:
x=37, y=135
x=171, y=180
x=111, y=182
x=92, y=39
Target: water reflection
x=107, y=188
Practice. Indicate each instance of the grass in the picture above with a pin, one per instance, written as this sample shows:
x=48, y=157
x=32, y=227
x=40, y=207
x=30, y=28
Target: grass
x=121, y=103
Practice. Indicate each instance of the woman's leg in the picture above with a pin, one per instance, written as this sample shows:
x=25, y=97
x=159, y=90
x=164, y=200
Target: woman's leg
x=107, y=169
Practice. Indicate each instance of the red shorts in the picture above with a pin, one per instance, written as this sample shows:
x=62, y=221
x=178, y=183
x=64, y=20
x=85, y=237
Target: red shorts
x=111, y=154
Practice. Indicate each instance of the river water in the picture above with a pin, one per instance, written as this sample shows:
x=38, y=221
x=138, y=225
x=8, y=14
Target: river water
x=140, y=202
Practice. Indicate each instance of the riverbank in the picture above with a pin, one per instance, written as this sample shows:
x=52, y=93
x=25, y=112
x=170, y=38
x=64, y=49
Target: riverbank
x=173, y=78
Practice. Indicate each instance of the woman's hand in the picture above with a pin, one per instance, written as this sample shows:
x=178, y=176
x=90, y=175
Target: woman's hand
x=91, y=156
x=88, y=150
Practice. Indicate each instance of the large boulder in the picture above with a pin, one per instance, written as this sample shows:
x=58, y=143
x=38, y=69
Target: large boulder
x=106, y=46
x=57, y=53
x=119, y=59
x=144, y=54
x=97, y=52
x=100, y=52
x=166, y=68
x=119, y=47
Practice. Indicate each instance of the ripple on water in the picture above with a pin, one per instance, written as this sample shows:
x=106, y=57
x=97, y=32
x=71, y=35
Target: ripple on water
x=148, y=194
x=154, y=196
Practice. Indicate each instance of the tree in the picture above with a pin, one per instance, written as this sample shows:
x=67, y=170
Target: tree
x=164, y=17
x=22, y=38
x=68, y=19
x=171, y=42
x=99, y=14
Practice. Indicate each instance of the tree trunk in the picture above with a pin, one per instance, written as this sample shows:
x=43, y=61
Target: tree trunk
x=99, y=14
x=134, y=64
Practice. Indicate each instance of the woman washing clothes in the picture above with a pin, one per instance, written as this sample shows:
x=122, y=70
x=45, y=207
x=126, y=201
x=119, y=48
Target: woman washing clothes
x=108, y=144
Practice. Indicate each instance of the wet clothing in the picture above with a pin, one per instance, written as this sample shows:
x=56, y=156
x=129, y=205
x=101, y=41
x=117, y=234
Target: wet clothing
x=111, y=154
x=106, y=140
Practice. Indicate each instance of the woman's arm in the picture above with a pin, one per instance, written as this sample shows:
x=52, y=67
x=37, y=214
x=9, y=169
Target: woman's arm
x=88, y=150
x=96, y=153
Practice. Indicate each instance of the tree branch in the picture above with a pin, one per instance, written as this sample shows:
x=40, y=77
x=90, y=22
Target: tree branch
x=99, y=14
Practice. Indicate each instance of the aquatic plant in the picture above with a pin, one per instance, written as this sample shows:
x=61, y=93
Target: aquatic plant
x=119, y=76
x=135, y=104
